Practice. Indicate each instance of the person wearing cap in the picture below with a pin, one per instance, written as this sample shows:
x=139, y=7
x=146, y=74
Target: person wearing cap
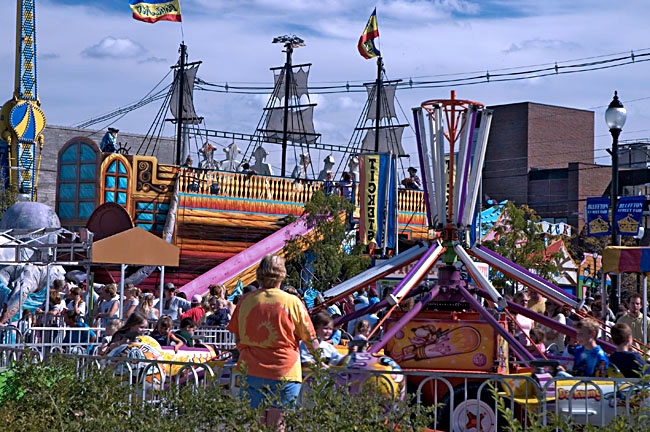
x=172, y=304
x=328, y=164
x=412, y=182
x=196, y=312
x=109, y=142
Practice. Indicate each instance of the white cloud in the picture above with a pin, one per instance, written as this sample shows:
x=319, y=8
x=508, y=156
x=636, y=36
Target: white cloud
x=115, y=48
x=420, y=39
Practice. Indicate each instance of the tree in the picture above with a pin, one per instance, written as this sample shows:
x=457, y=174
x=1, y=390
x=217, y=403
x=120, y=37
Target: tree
x=330, y=254
x=518, y=238
x=8, y=195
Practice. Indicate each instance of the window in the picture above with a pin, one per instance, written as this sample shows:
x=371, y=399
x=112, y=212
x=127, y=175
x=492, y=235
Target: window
x=76, y=196
x=151, y=216
x=116, y=183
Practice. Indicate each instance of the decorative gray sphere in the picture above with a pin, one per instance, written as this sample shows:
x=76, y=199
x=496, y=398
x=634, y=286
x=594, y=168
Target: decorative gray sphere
x=27, y=215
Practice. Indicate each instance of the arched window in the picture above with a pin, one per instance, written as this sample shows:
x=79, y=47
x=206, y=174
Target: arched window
x=116, y=183
x=76, y=196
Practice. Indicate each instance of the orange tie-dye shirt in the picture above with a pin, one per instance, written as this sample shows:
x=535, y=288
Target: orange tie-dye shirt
x=270, y=324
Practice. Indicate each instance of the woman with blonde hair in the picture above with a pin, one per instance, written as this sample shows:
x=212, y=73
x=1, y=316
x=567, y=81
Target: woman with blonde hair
x=131, y=300
x=146, y=307
x=219, y=293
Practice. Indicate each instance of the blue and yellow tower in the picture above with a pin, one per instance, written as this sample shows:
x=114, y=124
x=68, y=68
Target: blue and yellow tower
x=21, y=119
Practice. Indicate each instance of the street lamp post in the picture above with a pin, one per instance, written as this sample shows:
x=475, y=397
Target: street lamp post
x=615, y=116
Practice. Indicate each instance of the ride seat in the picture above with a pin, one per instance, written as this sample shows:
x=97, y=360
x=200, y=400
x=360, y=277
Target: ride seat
x=614, y=372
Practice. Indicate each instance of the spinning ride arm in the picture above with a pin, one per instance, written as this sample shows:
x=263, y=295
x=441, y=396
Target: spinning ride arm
x=21, y=119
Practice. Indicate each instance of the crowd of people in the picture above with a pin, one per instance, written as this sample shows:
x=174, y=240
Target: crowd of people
x=582, y=356
x=277, y=338
x=75, y=306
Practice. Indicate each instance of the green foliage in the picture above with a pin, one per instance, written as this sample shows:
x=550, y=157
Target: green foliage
x=51, y=397
x=331, y=264
x=518, y=239
x=7, y=196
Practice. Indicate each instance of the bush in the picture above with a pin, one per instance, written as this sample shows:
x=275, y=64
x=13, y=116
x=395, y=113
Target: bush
x=51, y=396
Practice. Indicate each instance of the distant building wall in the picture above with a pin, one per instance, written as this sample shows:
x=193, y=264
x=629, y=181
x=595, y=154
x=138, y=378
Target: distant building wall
x=543, y=156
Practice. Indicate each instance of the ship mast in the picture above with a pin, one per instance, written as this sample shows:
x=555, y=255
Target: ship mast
x=378, y=85
x=179, y=123
x=290, y=42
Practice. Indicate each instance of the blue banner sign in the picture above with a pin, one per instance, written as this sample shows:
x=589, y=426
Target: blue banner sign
x=629, y=215
x=597, y=217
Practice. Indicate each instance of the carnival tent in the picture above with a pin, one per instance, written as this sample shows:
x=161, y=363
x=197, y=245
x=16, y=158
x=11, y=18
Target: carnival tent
x=135, y=247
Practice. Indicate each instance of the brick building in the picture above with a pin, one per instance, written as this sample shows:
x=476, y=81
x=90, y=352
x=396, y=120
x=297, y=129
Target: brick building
x=543, y=156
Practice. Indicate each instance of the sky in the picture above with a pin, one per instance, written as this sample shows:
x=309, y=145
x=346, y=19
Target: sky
x=94, y=58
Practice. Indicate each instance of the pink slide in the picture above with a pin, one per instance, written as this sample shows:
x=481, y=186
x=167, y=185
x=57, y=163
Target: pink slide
x=245, y=259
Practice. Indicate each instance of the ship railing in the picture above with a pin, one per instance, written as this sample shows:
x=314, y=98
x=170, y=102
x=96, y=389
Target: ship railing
x=460, y=398
x=272, y=188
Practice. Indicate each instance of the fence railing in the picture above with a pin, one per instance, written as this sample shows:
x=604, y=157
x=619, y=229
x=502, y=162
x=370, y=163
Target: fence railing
x=79, y=340
x=465, y=401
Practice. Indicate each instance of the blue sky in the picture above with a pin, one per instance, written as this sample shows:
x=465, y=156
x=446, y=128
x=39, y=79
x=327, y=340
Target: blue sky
x=93, y=57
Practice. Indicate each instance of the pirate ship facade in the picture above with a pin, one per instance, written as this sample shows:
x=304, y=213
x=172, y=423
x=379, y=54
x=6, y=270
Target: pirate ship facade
x=219, y=209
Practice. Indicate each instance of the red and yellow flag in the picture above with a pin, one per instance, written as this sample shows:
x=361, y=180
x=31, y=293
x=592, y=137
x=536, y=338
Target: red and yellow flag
x=366, y=45
x=152, y=11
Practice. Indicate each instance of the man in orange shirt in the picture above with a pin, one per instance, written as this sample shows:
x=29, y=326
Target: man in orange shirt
x=268, y=325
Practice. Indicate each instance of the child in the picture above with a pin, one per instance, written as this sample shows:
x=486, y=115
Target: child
x=136, y=325
x=324, y=325
x=362, y=330
x=590, y=359
x=163, y=333
x=112, y=326
x=186, y=333
x=359, y=336
x=537, y=336
x=628, y=362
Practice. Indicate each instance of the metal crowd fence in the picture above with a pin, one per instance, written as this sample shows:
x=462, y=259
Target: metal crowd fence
x=77, y=340
x=464, y=401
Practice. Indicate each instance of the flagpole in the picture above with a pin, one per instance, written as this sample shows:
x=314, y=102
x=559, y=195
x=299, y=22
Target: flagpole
x=380, y=66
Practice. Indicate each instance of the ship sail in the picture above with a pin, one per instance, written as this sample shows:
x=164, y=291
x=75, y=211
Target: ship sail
x=300, y=125
x=289, y=114
x=381, y=122
x=390, y=141
x=298, y=86
x=189, y=113
x=388, y=101
x=300, y=117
